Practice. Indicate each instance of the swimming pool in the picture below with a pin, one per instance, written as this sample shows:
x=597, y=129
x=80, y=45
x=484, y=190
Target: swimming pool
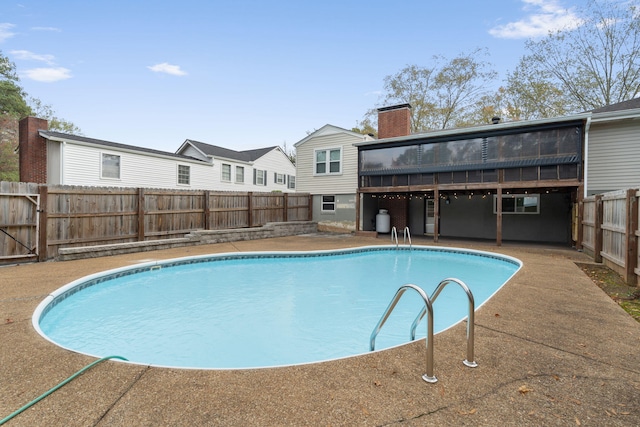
x=248, y=310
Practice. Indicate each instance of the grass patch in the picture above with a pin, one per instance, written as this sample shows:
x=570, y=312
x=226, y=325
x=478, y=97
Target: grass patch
x=628, y=297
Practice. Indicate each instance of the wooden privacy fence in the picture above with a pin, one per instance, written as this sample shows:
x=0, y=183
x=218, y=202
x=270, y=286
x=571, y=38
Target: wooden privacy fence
x=610, y=231
x=54, y=217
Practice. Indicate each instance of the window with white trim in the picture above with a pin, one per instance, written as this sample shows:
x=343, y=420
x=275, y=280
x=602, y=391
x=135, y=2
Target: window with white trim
x=278, y=178
x=239, y=174
x=518, y=204
x=259, y=177
x=110, y=166
x=226, y=173
x=328, y=162
x=291, y=182
x=328, y=204
x=184, y=174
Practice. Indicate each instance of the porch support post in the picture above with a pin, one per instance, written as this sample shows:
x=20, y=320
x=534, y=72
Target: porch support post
x=580, y=216
x=436, y=214
x=358, y=204
x=499, y=217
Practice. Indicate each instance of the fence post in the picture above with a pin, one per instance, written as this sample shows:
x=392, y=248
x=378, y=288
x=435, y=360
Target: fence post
x=250, y=209
x=630, y=237
x=207, y=210
x=141, y=231
x=310, y=208
x=286, y=206
x=597, y=238
x=43, y=191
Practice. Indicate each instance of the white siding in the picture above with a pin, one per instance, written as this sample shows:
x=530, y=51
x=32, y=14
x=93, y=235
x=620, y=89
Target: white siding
x=191, y=151
x=344, y=183
x=272, y=162
x=81, y=166
x=613, y=156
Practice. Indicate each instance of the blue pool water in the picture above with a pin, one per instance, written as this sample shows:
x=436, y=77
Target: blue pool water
x=251, y=310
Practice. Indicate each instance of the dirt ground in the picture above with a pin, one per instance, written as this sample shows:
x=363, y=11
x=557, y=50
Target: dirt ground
x=628, y=297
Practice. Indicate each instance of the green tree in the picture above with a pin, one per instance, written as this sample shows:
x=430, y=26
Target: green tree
x=12, y=96
x=589, y=66
x=43, y=111
x=443, y=95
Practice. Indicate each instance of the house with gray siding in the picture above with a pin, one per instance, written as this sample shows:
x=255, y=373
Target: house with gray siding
x=612, y=148
x=516, y=181
x=326, y=168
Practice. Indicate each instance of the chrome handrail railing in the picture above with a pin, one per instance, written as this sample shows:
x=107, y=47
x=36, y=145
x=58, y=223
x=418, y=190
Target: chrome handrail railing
x=428, y=376
x=469, y=361
x=407, y=234
x=394, y=233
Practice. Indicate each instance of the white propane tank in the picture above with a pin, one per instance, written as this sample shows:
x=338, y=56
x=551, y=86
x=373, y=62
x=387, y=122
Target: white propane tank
x=383, y=221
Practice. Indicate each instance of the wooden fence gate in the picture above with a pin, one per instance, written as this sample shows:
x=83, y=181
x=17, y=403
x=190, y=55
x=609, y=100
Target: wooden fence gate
x=19, y=221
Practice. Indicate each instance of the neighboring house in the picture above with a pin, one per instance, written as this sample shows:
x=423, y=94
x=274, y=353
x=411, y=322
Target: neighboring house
x=263, y=169
x=326, y=167
x=62, y=159
x=516, y=181
x=612, y=148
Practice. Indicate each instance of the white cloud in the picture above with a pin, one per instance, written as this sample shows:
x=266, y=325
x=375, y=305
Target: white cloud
x=546, y=16
x=5, y=31
x=167, y=68
x=25, y=54
x=48, y=75
x=53, y=29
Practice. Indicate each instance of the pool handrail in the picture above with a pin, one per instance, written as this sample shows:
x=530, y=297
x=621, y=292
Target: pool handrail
x=428, y=376
x=469, y=361
x=394, y=235
x=407, y=235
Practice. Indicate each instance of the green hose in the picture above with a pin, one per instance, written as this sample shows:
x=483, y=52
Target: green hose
x=33, y=402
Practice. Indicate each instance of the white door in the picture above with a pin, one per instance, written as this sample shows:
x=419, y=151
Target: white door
x=429, y=216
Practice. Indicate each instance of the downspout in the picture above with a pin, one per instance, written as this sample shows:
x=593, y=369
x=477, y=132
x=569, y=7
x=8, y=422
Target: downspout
x=586, y=154
x=62, y=149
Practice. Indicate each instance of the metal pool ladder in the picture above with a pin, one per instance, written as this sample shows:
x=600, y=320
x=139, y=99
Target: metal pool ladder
x=406, y=235
x=428, y=310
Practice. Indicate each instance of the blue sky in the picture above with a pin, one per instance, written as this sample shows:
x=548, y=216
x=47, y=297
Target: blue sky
x=245, y=74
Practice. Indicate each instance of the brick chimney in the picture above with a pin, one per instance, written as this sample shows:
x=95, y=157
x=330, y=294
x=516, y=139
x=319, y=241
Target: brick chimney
x=32, y=150
x=394, y=121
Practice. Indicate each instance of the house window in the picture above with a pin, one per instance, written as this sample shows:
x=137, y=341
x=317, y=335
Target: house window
x=239, y=175
x=518, y=204
x=328, y=161
x=259, y=177
x=278, y=178
x=291, y=182
x=226, y=172
x=110, y=166
x=184, y=175
x=328, y=203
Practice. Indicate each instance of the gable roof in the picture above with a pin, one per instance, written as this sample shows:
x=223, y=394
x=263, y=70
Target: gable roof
x=332, y=130
x=66, y=137
x=216, y=151
x=624, y=105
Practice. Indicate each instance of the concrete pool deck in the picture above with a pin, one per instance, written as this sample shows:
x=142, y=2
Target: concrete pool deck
x=552, y=349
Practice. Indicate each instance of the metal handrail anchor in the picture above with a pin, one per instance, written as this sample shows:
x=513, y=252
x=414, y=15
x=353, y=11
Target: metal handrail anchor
x=470, y=360
x=428, y=308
